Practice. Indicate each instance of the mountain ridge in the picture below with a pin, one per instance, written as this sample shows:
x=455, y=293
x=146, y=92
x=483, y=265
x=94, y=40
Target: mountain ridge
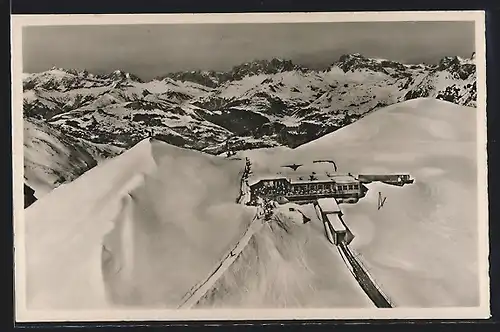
x=264, y=64
x=263, y=103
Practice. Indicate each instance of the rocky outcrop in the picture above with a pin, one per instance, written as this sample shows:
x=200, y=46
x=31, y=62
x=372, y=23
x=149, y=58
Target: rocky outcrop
x=29, y=196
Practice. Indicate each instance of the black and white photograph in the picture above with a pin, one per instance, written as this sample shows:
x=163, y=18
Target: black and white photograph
x=250, y=166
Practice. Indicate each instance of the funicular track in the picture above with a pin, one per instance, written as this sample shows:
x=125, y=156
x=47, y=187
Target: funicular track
x=363, y=279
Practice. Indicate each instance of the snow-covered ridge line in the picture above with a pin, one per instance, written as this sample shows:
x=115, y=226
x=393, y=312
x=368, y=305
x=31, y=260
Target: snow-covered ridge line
x=199, y=290
x=194, y=295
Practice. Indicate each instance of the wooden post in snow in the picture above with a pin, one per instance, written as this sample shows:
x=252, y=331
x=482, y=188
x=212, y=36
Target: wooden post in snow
x=381, y=201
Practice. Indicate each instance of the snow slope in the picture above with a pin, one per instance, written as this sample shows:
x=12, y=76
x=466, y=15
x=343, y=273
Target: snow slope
x=51, y=158
x=139, y=229
x=145, y=227
x=287, y=264
x=421, y=247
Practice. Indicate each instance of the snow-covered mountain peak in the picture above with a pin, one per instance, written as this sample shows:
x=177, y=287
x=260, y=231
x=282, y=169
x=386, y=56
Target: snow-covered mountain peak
x=68, y=71
x=206, y=77
x=454, y=61
x=56, y=69
x=119, y=75
x=62, y=79
x=215, y=79
x=449, y=61
x=350, y=57
x=267, y=67
x=357, y=62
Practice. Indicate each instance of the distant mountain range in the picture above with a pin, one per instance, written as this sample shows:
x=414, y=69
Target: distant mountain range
x=256, y=104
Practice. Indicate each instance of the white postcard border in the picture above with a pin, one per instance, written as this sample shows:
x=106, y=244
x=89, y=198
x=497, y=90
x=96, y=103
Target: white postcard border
x=25, y=315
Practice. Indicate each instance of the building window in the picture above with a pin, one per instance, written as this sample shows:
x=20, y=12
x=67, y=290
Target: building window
x=344, y=187
x=350, y=187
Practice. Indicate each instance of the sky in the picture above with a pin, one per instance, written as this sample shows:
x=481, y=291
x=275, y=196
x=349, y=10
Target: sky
x=149, y=51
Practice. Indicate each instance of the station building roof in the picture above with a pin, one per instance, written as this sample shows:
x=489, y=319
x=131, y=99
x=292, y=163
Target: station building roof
x=329, y=205
x=338, y=178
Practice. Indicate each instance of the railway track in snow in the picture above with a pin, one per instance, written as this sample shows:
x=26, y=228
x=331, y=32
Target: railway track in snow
x=363, y=278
